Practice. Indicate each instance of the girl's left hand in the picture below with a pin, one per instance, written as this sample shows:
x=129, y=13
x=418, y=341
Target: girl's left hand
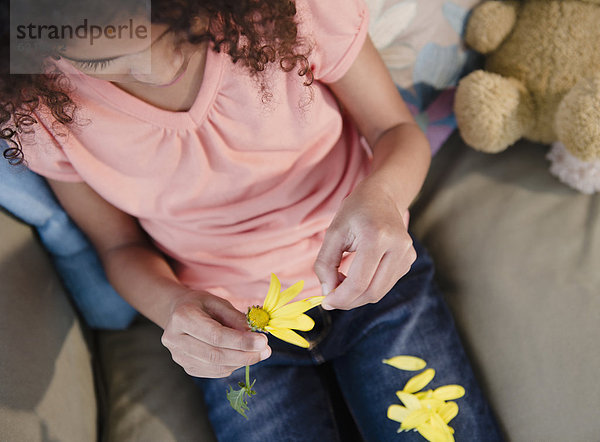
x=369, y=224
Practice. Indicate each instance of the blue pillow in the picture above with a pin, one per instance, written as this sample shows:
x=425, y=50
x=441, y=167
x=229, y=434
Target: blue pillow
x=27, y=196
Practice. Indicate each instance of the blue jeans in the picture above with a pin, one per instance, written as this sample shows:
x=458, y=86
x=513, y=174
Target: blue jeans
x=339, y=390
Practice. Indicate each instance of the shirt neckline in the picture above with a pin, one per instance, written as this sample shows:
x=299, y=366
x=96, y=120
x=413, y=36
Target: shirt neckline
x=127, y=103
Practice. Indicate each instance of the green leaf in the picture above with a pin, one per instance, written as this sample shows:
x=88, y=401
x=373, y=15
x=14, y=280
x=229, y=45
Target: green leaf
x=238, y=398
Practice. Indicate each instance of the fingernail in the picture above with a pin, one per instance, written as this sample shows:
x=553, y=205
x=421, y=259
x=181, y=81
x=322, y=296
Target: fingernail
x=325, y=306
x=265, y=353
x=325, y=289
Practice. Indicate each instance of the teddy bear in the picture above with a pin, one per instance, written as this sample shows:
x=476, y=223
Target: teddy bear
x=541, y=81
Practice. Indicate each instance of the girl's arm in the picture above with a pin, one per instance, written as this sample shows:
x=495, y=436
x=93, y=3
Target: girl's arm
x=370, y=221
x=206, y=335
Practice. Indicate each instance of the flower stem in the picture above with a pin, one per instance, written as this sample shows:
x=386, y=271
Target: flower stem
x=248, y=376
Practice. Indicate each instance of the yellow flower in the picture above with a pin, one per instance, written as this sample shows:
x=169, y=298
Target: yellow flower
x=278, y=317
x=424, y=411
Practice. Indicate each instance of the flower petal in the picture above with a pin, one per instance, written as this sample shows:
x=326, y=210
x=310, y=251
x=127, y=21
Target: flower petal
x=296, y=308
x=432, y=404
x=416, y=418
x=300, y=322
x=408, y=399
x=290, y=293
x=410, y=363
x=272, y=297
x=314, y=300
x=432, y=433
x=425, y=394
x=439, y=424
x=448, y=411
x=397, y=412
x=288, y=335
x=419, y=381
x=449, y=392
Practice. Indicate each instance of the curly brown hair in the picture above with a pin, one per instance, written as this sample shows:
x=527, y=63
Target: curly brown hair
x=255, y=33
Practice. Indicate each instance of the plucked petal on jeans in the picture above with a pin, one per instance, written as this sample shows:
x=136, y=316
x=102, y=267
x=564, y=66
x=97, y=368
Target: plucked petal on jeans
x=416, y=418
x=408, y=399
x=433, y=433
x=432, y=404
x=448, y=411
x=439, y=423
x=419, y=381
x=449, y=392
x=398, y=413
x=404, y=362
x=426, y=394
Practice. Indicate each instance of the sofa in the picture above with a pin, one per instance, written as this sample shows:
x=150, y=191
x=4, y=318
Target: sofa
x=517, y=254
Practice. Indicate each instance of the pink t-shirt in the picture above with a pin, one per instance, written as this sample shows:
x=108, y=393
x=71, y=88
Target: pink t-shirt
x=233, y=189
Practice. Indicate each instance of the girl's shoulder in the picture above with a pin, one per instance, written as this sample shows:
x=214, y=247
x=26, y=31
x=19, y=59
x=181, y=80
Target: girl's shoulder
x=334, y=30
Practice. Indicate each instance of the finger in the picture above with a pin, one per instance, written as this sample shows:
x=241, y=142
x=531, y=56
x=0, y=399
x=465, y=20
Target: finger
x=215, y=334
x=207, y=371
x=357, y=281
x=225, y=313
x=329, y=259
x=188, y=351
x=391, y=268
x=203, y=370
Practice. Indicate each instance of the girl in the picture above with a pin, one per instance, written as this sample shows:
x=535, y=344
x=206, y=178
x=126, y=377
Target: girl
x=223, y=147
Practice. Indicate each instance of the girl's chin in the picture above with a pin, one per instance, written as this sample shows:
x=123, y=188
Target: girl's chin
x=146, y=81
x=175, y=79
x=149, y=81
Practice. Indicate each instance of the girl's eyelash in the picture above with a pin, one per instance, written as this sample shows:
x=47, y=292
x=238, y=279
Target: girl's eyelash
x=94, y=64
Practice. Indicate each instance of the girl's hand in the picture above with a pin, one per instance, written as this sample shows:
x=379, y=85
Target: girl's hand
x=369, y=224
x=209, y=338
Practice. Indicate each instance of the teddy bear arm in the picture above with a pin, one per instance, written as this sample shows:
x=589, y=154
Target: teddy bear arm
x=490, y=23
x=577, y=119
x=492, y=111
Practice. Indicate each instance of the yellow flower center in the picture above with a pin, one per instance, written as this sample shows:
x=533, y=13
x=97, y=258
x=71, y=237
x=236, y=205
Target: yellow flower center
x=257, y=318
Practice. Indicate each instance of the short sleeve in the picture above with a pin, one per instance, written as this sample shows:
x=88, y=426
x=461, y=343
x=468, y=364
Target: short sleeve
x=44, y=152
x=336, y=31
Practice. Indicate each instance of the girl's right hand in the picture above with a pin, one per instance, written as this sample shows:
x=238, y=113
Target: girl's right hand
x=205, y=334
x=209, y=338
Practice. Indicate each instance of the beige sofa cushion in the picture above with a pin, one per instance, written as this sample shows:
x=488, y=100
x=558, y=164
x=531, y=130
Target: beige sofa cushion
x=46, y=381
x=518, y=257
x=148, y=398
